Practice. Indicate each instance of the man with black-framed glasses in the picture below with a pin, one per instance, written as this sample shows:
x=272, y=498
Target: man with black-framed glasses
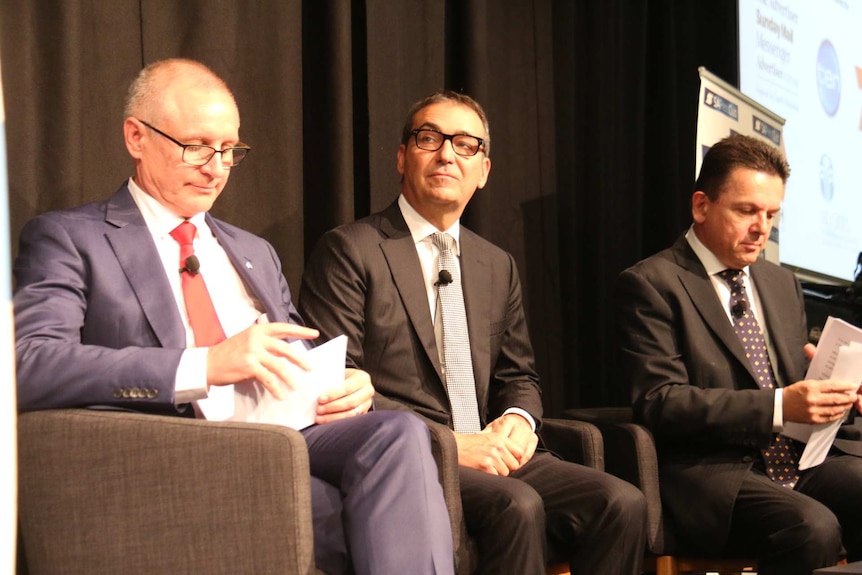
x=146, y=302
x=433, y=312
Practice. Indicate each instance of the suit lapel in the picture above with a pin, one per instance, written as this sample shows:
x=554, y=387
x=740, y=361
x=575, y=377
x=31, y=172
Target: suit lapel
x=137, y=255
x=771, y=310
x=702, y=293
x=400, y=253
x=475, y=282
x=248, y=269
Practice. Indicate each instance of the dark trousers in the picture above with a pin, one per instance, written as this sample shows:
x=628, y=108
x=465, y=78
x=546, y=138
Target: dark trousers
x=552, y=508
x=377, y=503
x=795, y=532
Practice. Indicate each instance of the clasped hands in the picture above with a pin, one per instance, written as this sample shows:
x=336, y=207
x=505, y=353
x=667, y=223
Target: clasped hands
x=506, y=444
x=260, y=353
x=819, y=401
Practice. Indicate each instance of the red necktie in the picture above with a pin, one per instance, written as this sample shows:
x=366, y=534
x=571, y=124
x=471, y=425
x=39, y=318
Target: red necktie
x=199, y=306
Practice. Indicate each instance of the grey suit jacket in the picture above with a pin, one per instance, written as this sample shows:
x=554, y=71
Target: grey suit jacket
x=364, y=280
x=95, y=320
x=693, y=386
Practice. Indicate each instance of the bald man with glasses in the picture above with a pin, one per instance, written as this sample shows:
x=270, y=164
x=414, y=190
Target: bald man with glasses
x=145, y=302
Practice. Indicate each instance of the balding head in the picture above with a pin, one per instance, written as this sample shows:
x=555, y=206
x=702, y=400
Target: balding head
x=153, y=94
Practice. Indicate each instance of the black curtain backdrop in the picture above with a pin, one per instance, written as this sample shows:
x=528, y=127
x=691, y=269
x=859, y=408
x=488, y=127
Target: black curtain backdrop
x=592, y=105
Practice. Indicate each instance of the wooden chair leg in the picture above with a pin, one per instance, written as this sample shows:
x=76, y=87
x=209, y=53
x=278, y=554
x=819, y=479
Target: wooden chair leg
x=559, y=569
x=666, y=565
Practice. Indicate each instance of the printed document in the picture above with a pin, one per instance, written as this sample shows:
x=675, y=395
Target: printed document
x=839, y=357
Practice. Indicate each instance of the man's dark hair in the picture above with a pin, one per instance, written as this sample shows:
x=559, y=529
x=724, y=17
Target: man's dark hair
x=738, y=151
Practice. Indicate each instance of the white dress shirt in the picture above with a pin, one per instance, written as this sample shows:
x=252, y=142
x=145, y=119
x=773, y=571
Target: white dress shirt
x=235, y=306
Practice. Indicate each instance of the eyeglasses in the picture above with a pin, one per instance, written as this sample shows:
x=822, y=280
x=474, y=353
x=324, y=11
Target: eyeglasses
x=462, y=144
x=200, y=155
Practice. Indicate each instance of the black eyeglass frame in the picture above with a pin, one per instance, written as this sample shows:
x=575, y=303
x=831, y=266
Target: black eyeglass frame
x=233, y=149
x=451, y=138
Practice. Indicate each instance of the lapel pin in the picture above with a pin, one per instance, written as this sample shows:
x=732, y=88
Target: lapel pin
x=248, y=265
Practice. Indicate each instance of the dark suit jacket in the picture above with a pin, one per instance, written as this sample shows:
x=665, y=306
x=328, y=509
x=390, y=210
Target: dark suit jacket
x=364, y=280
x=95, y=320
x=693, y=386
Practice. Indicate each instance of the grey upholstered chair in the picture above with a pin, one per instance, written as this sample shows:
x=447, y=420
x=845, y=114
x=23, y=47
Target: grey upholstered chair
x=116, y=492
x=120, y=492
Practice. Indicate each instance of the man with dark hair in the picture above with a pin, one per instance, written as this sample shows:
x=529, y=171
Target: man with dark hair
x=146, y=302
x=433, y=312
x=714, y=342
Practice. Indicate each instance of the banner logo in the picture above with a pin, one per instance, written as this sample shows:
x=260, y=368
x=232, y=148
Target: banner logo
x=828, y=78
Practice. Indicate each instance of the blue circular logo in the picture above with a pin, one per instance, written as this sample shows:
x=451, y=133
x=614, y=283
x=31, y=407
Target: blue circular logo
x=828, y=78
x=827, y=178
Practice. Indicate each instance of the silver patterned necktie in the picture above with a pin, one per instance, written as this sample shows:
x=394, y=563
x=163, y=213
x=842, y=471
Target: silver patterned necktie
x=458, y=369
x=781, y=456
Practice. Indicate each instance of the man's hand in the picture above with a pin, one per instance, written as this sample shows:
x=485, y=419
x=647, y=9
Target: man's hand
x=519, y=430
x=809, y=350
x=503, y=446
x=260, y=353
x=824, y=401
x=351, y=399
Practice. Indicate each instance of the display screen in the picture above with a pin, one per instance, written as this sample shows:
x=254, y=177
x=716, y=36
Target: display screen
x=803, y=60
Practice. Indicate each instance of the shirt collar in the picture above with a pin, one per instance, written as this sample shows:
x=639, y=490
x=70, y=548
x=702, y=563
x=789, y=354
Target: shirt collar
x=420, y=228
x=709, y=260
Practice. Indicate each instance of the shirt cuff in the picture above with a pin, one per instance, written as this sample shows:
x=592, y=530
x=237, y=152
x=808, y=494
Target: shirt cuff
x=523, y=414
x=778, y=412
x=191, y=379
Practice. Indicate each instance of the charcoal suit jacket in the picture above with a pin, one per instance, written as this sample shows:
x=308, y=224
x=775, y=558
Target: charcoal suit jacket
x=693, y=386
x=364, y=279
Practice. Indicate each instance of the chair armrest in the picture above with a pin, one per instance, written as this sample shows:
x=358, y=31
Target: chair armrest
x=118, y=492
x=630, y=454
x=445, y=452
x=575, y=441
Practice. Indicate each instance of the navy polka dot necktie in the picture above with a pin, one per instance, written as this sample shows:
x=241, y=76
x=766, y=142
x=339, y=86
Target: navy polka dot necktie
x=781, y=457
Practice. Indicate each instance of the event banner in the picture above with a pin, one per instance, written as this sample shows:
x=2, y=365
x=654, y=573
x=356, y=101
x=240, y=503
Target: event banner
x=723, y=110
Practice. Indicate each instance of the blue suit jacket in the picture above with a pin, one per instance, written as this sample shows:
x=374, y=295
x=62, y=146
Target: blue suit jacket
x=95, y=320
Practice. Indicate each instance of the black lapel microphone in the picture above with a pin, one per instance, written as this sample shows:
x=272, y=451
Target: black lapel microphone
x=193, y=265
x=443, y=278
x=739, y=308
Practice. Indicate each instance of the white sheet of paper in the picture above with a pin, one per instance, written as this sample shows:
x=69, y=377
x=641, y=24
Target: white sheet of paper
x=839, y=356
x=297, y=410
x=219, y=403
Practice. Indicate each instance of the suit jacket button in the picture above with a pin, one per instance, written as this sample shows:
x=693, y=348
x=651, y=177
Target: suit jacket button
x=747, y=459
x=118, y=393
x=152, y=393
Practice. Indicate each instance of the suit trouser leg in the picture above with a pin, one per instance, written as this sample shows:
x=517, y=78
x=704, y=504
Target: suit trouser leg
x=330, y=545
x=594, y=520
x=789, y=532
x=394, y=516
x=837, y=484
